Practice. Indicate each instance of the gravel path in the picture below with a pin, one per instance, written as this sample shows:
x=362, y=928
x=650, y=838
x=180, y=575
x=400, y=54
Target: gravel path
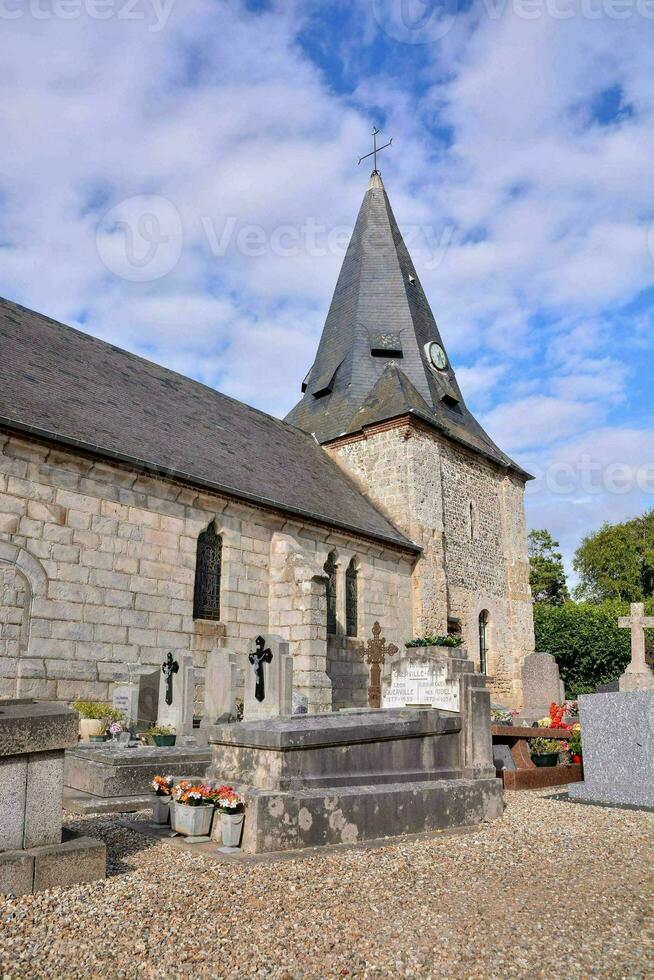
x=551, y=890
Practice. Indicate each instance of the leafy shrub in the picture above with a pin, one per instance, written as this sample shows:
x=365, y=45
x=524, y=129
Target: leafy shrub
x=449, y=640
x=95, y=710
x=586, y=641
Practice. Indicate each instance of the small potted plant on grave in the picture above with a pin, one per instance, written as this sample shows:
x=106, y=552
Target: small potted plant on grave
x=163, y=788
x=574, y=744
x=231, y=808
x=448, y=640
x=544, y=751
x=192, y=809
x=93, y=719
x=162, y=735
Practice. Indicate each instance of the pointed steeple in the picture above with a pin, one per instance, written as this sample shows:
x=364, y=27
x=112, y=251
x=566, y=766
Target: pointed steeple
x=381, y=355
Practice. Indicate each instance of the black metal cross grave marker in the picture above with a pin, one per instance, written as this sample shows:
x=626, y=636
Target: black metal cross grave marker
x=169, y=668
x=258, y=658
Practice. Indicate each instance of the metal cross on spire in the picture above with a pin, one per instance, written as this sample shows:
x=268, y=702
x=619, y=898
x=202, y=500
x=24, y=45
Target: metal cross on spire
x=376, y=149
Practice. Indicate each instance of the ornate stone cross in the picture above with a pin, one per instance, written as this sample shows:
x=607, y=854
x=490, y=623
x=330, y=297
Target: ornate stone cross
x=375, y=654
x=637, y=676
x=169, y=668
x=258, y=658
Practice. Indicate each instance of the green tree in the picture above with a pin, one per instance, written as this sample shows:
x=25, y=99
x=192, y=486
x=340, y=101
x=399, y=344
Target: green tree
x=546, y=572
x=586, y=641
x=617, y=562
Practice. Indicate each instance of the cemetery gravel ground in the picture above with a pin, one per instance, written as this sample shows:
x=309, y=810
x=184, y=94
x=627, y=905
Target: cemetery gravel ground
x=551, y=889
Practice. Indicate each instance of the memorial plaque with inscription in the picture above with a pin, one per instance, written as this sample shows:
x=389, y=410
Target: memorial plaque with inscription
x=421, y=682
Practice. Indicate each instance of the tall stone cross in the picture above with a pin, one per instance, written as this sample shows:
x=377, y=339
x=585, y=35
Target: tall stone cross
x=637, y=676
x=375, y=653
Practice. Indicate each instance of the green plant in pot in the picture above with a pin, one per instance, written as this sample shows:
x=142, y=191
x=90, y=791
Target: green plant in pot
x=544, y=751
x=574, y=744
x=162, y=735
x=94, y=719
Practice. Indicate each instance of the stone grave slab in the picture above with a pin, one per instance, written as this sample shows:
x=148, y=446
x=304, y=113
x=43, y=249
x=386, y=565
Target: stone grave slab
x=541, y=684
x=422, y=680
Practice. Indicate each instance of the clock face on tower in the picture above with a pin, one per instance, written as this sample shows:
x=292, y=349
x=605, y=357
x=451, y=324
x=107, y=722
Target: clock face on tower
x=437, y=356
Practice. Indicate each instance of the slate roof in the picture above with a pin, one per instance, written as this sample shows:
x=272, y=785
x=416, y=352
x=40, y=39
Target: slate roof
x=65, y=386
x=371, y=364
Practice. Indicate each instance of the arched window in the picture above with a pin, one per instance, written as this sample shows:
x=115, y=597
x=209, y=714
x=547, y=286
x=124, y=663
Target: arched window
x=483, y=640
x=206, y=594
x=351, y=599
x=472, y=517
x=330, y=568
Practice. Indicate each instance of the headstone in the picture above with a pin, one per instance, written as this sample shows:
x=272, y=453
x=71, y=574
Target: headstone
x=268, y=680
x=136, y=695
x=422, y=678
x=637, y=676
x=541, y=684
x=126, y=700
x=617, y=732
x=176, y=693
x=220, y=688
x=502, y=757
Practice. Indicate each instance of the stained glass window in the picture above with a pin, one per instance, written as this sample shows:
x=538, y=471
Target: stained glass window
x=330, y=568
x=206, y=595
x=351, y=599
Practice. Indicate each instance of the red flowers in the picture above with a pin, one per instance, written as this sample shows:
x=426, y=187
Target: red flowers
x=557, y=712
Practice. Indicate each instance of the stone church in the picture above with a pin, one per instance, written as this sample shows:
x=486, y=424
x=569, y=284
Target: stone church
x=142, y=512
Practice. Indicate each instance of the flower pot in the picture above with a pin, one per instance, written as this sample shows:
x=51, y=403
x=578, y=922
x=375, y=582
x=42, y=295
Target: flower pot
x=161, y=809
x=162, y=740
x=575, y=758
x=193, y=821
x=97, y=738
x=547, y=759
x=231, y=828
x=90, y=726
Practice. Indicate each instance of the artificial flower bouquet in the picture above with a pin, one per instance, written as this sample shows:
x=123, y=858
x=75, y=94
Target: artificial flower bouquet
x=228, y=800
x=555, y=717
x=503, y=716
x=163, y=785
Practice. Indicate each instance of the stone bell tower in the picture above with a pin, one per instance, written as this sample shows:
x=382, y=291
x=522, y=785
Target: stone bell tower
x=382, y=398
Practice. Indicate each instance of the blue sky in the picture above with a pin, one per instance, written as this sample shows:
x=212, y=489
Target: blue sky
x=180, y=178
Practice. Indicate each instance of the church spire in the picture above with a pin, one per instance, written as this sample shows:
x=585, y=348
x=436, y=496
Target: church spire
x=381, y=355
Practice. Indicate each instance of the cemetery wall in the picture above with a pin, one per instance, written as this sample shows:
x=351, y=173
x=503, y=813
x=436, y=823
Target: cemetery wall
x=468, y=516
x=103, y=560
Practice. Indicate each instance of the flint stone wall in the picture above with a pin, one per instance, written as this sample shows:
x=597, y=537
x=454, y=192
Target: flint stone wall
x=426, y=484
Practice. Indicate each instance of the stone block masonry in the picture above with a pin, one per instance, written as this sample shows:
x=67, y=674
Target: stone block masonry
x=97, y=566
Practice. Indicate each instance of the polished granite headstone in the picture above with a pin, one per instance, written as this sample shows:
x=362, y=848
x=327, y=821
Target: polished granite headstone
x=617, y=732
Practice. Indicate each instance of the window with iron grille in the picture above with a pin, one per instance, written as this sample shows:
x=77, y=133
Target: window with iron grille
x=330, y=568
x=351, y=599
x=206, y=595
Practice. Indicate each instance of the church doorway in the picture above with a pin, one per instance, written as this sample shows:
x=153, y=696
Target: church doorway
x=483, y=640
